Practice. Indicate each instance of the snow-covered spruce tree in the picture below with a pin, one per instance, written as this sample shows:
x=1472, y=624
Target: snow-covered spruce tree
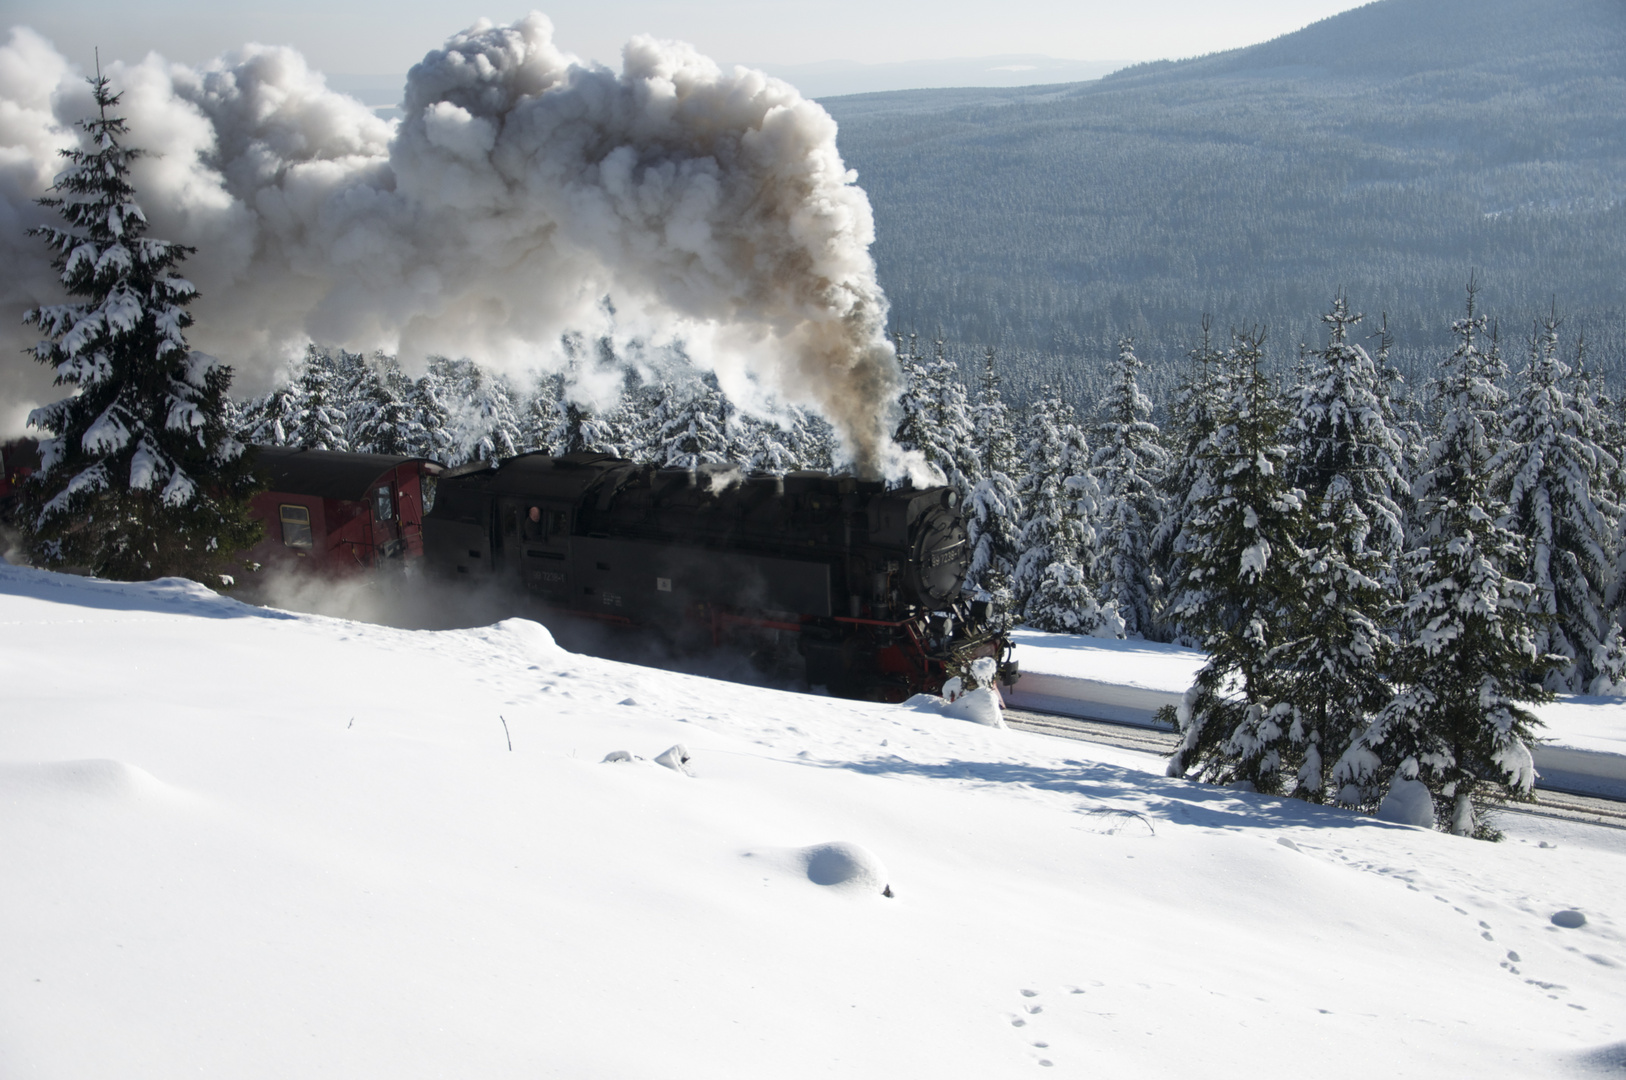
x=578, y=429
x=268, y=421
x=692, y=426
x=1128, y=466
x=994, y=506
x=320, y=423
x=1238, y=588
x=539, y=413
x=765, y=445
x=1345, y=458
x=1053, y=585
x=1548, y=468
x=432, y=405
x=811, y=440
x=1342, y=444
x=1467, y=650
x=935, y=417
x=1400, y=412
x=1601, y=425
x=1193, y=419
x=379, y=414
x=485, y=417
x=140, y=475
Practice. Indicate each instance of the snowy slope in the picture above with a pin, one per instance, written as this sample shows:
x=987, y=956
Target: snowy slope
x=240, y=843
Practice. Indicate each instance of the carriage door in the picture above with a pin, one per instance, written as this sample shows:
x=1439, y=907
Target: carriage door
x=387, y=542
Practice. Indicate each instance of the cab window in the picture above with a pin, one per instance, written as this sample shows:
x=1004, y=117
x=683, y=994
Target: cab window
x=543, y=525
x=383, y=504
x=296, y=527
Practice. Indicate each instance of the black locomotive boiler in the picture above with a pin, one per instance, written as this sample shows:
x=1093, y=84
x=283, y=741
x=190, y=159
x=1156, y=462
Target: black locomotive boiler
x=865, y=581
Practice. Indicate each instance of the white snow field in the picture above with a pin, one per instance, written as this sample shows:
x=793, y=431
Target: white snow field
x=240, y=843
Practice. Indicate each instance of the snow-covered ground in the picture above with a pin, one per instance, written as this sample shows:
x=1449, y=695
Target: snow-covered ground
x=240, y=843
x=1148, y=665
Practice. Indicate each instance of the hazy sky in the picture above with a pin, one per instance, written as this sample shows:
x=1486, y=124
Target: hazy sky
x=388, y=36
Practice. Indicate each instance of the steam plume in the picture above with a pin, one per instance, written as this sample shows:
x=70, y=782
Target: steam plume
x=521, y=189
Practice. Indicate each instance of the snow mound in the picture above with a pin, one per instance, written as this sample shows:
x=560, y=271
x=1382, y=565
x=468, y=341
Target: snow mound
x=980, y=706
x=1408, y=803
x=92, y=778
x=676, y=758
x=531, y=639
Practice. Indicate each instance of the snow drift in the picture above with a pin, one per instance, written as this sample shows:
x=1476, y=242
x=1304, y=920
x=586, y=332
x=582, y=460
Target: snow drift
x=524, y=196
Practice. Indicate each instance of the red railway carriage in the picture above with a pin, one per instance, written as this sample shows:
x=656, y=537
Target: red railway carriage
x=338, y=512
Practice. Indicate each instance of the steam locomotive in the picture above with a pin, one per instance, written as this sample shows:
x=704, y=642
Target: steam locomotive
x=866, y=581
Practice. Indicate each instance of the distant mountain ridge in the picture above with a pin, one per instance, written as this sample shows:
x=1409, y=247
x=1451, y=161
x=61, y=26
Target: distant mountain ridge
x=840, y=77
x=1388, y=151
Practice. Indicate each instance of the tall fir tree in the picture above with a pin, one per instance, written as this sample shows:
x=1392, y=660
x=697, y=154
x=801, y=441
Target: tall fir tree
x=1467, y=663
x=692, y=426
x=141, y=474
x=487, y=421
x=1238, y=588
x=936, y=417
x=1193, y=420
x=432, y=405
x=321, y=423
x=994, y=506
x=539, y=413
x=1347, y=460
x=1053, y=585
x=379, y=415
x=273, y=420
x=1548, y=471
x=1128, y=467
x=1344, y=449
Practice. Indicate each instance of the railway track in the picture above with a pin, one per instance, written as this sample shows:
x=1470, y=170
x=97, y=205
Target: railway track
x=1560, y=805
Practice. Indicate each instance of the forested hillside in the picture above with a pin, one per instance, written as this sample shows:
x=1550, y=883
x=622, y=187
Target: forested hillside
x=1387, y=152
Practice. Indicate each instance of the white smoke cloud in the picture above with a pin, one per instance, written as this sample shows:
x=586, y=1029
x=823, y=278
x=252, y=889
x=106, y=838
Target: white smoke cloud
x=520, y=190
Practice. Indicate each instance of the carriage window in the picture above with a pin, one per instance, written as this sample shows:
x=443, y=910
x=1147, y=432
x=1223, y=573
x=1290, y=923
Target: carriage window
x=296, y=526
x=383, y=504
